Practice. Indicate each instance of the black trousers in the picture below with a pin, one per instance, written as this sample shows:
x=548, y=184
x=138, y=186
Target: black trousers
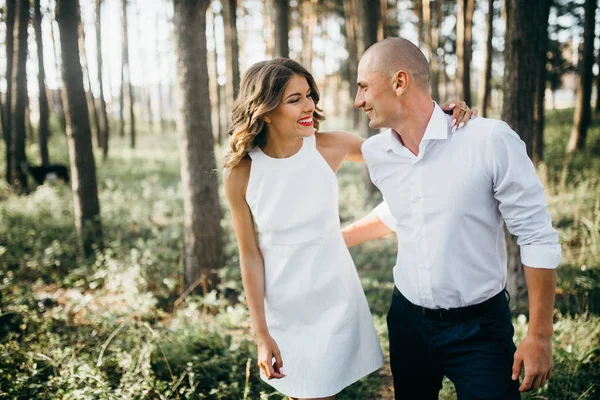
x=475, y=353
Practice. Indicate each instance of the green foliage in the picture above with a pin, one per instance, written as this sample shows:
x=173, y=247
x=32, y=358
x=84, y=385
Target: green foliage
x=106, y=327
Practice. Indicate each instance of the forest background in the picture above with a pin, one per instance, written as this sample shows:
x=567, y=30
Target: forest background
x=125, y=282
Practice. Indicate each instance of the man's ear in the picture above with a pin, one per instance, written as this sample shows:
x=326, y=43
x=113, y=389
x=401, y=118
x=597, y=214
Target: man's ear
x=400, y=82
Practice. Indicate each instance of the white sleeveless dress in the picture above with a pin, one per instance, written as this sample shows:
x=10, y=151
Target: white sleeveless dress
x=315, y=306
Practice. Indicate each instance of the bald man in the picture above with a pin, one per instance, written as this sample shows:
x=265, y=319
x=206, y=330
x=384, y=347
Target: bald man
x=448, y=189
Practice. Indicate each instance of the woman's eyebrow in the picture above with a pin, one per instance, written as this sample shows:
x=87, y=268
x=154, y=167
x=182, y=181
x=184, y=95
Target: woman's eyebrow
x=297, y=94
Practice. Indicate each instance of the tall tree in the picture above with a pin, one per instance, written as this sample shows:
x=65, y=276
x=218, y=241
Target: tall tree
x=43, y=98
x=464, y=47
x=59, y=96
x=202, y=214
x=308, y=23
x=91, y=102
x=232, y=54
x=125, y=68
x=7, y=110
x=282, y=27
x=79, y=135
x=18, y=178
x=521, y=46
x=486, y=86
x=420, y=22
x=541, y=62
x=432, y=21
x=103, y=117
x=583, y=108
x=351, y=27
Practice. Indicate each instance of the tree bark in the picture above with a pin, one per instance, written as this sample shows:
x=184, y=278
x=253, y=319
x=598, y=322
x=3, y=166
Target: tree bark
x=282, y=27
x=202, y=214
x=7, y=110
x=43, y=98
x=464, y=48
x=583, y=108
x=18, y=131
x=232, y=54
x=103, y=116
x=79, y=136
x=125, y=67
x=485, y=87
x=540, y=82
x=91, y=102
x=522, y=46
x=61, y=106
x=308, y=23
x=420, y=19
x=351, y=22
x=432, y=21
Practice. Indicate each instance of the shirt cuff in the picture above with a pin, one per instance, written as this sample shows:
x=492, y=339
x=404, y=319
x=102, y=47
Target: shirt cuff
x=385, y=215
x=545, y=256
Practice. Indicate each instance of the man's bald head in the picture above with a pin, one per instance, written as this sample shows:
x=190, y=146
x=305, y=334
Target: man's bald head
x=394, y=54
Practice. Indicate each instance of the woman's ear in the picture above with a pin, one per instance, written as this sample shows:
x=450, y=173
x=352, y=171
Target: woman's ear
x=267, y=118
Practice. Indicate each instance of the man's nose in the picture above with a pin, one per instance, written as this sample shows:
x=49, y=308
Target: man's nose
x=358, y=100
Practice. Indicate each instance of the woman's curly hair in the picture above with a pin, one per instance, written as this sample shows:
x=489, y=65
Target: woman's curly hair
x=261, y=89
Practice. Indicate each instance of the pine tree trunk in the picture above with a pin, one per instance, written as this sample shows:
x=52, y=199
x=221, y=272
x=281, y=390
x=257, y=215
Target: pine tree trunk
x=79, y=136
x=540, y=83
x=308, y=22
x=351, y=22
x=485, y=92
x=282, y=27
x=7, y=110
x=202, y=214
x=432, y=22
x=43, y=98
x=61, y=106
x=91, y=102
x=420, y=19
x=583, y=108
x=127, y=68
x=522, y=46
x=464, y=50
x=268, y=16
x=18, y=178
x=232, y=54
x=103, y=117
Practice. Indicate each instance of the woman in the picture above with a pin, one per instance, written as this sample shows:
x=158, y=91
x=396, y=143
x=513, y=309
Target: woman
x=304, y=295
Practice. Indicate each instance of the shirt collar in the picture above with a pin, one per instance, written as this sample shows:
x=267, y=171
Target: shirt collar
x=437, y=128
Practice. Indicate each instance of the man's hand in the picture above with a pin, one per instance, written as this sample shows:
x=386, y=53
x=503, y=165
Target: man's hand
x=267, y=350
x=535, y=353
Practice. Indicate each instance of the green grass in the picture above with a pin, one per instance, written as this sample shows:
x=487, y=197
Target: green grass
x=105, y=327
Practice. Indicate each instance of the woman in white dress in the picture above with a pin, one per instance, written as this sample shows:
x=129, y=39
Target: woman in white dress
x=303, y=292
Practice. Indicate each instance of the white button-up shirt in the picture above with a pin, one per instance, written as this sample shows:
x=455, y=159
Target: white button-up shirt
x=448, y=203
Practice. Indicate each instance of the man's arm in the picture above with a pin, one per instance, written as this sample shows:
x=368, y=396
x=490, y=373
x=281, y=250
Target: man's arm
x=378, y=223
x=535, y=351
x=522, y=203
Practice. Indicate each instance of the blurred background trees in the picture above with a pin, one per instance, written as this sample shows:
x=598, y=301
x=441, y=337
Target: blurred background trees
x=164, y=74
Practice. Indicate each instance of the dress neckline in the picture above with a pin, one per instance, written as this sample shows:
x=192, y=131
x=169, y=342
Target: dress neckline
x=293, y=156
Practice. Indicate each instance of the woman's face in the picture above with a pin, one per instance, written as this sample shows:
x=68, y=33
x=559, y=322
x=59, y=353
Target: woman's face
x=293, y=116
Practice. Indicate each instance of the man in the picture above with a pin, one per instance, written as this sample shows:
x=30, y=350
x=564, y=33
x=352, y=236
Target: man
x=449, y=190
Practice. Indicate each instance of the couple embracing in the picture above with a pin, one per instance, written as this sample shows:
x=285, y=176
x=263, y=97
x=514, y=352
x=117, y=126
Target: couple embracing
x=448, y=181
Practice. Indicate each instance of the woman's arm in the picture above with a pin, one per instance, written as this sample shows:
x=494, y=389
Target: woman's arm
x=252, y=266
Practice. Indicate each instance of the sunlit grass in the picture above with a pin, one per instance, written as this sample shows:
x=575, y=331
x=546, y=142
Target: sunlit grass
x=107, y=327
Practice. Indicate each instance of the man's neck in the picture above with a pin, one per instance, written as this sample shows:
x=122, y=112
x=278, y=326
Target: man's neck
x=411, y=129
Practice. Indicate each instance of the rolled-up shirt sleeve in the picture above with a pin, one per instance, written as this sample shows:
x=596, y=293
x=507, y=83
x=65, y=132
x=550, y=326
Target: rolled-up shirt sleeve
x=385, y=215
x=522, y=199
